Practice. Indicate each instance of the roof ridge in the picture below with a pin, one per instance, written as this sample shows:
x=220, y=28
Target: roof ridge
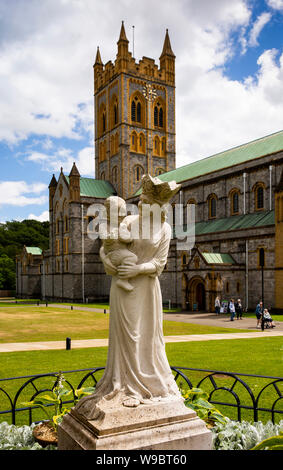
x=225, y=151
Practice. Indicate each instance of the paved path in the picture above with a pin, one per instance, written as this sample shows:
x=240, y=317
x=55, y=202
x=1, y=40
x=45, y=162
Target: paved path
x=95, y=343
x=209, y=319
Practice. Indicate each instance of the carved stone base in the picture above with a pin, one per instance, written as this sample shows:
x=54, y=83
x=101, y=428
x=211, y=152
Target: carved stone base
x=158, y=426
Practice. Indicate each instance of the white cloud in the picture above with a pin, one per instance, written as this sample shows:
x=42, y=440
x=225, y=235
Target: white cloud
x=43, y=217
x=46, y=78
x=64, y=158
x=19, y=193
x=276, y=4
x=258, y=25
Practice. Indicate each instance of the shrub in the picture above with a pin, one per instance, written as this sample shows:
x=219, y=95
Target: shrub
x=234, y=435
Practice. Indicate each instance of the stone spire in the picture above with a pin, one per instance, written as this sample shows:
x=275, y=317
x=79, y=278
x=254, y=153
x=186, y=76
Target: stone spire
x=74, y=186
x=167, y=49
x=167, y=60
x=123, y=36
x=98, y=60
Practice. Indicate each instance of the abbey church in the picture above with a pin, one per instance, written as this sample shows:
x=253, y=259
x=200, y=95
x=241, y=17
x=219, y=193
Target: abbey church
x=238, y=198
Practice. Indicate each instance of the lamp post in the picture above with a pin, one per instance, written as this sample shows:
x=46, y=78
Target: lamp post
x=261, y=263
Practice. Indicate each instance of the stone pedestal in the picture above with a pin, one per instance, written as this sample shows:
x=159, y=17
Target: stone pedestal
x=158, y=426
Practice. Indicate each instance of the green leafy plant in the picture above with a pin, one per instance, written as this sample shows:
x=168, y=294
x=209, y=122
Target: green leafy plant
x=272, y=443
x=56, y=413
x=197, y=400
x=235, y=435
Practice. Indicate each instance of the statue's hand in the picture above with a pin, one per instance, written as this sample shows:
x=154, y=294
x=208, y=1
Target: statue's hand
x=128, y=271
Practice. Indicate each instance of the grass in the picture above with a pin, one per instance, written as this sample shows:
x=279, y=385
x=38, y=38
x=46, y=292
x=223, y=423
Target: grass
x=253, y=356
x=32, y=323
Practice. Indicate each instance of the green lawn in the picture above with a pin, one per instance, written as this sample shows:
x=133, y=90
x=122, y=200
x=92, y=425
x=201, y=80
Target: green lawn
x=253, y=356
x=33, y=323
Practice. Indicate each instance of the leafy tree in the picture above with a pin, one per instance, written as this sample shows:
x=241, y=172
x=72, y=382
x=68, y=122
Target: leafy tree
x=13, y=236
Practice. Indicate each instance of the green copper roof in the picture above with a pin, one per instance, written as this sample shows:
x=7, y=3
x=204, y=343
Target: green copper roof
x=236, y=222
x=33, y=250
x=243, y=153
x=218, y=258
x=91, y=187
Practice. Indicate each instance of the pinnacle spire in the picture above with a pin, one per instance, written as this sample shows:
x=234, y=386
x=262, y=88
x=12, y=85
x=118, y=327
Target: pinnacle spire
x=167, y=49
x=98, y=60
x=123, y=36
x=74, y=171
x=53, y=182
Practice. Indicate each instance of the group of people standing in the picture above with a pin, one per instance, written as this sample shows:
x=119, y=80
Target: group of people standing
x=234, y=308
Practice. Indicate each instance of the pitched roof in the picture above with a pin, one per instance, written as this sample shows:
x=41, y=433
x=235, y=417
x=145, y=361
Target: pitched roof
x=33, y=250
x=236, y=222
x=243, y=153
x=218, y=258
x=90, y=187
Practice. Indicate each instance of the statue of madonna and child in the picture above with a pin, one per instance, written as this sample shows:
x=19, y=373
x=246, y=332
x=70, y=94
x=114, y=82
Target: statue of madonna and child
x=137, y=369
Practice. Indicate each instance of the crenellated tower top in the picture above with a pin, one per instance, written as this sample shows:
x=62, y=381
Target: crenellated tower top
x=125, y=63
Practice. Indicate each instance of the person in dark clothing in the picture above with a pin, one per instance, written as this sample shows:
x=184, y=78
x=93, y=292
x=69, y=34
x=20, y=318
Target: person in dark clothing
x=239, y=309
x=259, y=313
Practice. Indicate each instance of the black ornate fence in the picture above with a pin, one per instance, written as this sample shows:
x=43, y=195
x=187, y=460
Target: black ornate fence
x=253, y=396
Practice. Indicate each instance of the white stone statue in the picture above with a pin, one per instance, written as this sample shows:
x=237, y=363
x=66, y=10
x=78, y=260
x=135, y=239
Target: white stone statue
x=137, y=370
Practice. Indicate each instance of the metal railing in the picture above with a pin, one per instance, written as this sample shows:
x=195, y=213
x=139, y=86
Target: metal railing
x=243, y=390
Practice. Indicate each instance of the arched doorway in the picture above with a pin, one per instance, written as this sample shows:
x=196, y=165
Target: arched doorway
x=195, y=294
x=200, y=296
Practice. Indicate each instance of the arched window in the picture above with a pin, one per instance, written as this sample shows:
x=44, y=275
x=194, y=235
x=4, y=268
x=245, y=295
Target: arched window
x=102, y=119
x=115, y=113
x=102, y=176
x=234, y=201
x=141, y=143
x=159, y=171
x=115, y=174
x=158, y=114
x=137, y=109
x=212, y=202
x=260, y=198
x=138, y=173
x=163, y=147
x=156, y=146
x=133, y=142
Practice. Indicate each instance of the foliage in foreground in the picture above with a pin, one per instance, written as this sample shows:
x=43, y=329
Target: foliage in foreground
x=234, y=435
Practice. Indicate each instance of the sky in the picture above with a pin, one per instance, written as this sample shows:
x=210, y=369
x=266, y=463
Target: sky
x=229, y=81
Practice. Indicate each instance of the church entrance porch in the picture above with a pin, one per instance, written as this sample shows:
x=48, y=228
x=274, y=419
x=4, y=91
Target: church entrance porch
x=195, y=294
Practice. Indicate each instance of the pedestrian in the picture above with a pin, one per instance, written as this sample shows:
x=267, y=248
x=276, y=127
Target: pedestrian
x=239, y=309
x=217, y=305
x=232, y=309
x=258, y=313
x=267, y=319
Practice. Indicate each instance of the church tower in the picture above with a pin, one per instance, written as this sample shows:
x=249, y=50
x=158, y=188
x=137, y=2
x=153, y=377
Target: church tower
x=134, y=116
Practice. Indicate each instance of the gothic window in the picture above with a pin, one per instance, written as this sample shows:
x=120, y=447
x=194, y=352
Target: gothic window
x=137, y=110
x=163, y=147
x=133, y=142
x=259, y=198
x=141, y=146
x=212, y=200
x=138, y=173
x=156, y=146
x=115, y=114
x=234, y=201
x=159, y=171
x=158, y=114
x=102, y=176
x=115, y=174
x=66, y=265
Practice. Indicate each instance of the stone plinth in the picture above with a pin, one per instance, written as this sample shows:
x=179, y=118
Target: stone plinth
x=158, y=426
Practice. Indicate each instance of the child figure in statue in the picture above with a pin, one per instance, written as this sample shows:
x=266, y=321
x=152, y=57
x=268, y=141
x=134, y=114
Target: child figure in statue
x=117, y=240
